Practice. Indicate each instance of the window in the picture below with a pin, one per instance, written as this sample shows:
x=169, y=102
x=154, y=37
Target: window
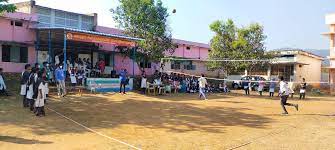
x=175, y=65
x=188, y=48
x=145, y=64
x=14, y=54
x=188, y=65
x=18, y=23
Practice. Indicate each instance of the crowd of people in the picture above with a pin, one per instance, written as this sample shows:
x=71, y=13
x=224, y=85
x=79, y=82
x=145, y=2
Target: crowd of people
x=34, y=88
x=247, y=86
x=36, y=79
x=174, y=82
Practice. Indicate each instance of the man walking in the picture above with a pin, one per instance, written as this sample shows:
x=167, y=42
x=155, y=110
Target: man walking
x=60, y=79
x=202, y=85
x=284, y=94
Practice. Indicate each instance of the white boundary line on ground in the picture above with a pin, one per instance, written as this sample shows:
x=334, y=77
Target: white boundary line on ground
x=96, y=132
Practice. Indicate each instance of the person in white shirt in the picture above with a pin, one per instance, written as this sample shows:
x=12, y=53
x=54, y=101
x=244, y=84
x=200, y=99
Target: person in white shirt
x=284, y=94
x=144, y=83
x=2, y=84
x=41, y=96
x=202, y=86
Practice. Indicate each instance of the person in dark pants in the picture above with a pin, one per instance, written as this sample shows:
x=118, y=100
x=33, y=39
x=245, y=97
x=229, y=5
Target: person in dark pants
x=303, y=87
x=284, y=94
x=123, y=80
x=30, y=92
x=24, y=81
x=245, y=85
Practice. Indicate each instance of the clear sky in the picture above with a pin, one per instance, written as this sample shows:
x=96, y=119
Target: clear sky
x=287, y=23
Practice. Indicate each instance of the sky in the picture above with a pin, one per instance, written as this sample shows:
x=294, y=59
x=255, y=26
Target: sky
x=287, y=23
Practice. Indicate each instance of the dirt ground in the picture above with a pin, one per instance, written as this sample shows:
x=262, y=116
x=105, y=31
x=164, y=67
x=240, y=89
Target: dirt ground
x=173, y=122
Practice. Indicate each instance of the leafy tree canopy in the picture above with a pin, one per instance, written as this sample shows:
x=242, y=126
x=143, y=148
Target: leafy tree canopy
x=234, y=43
x=5, y=7
x=146, y=19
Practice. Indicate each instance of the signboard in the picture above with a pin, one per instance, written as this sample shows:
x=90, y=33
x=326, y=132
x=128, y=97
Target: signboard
x=98, y=39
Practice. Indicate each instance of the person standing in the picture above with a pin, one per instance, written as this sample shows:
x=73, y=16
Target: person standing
x=284, y=94
x=272, y=87
x=143, y=83
x=246, y=86
x=24, y=81
x=30, y=92
x=41, y=96
x=60, y=79
x=291, y=88
x=303, y=87
x=2, y=84
x=123, y=81
x=202, y=86
x=261, y=85
x=102, y=66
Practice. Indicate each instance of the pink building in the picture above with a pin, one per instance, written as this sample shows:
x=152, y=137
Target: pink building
x=38, y=34
x=17, y=41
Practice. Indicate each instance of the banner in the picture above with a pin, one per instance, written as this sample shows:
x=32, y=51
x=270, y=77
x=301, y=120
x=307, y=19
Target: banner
x=98, y=39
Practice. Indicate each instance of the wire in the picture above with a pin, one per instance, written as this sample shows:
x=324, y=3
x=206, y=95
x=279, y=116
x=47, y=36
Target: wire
x=229, y=80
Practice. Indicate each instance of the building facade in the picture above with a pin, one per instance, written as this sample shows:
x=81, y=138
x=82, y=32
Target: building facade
x=27, y=40
x=330, y=21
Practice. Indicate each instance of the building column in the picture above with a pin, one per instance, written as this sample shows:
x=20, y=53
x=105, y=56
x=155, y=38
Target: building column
x=64, y=51
x=49, y=47
x=37, y=45
x=134, y=59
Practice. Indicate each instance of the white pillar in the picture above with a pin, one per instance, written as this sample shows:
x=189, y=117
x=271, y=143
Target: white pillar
x=269, y=73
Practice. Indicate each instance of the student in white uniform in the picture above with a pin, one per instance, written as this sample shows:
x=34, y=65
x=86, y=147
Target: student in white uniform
x=41, y=96
x=261, y=85
x=284, y=94
x=144, y=83
x=30, y=92
x=24, y=81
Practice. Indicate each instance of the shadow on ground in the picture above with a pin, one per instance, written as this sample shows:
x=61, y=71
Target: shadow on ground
x=99, y=112
x=17, y=140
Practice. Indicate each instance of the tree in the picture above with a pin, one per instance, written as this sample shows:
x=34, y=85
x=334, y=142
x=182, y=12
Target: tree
x=146, y=19
x=5, y=7
x=233, y=43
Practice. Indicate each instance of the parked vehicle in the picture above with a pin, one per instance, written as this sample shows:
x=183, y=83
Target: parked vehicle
x=237, y=84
